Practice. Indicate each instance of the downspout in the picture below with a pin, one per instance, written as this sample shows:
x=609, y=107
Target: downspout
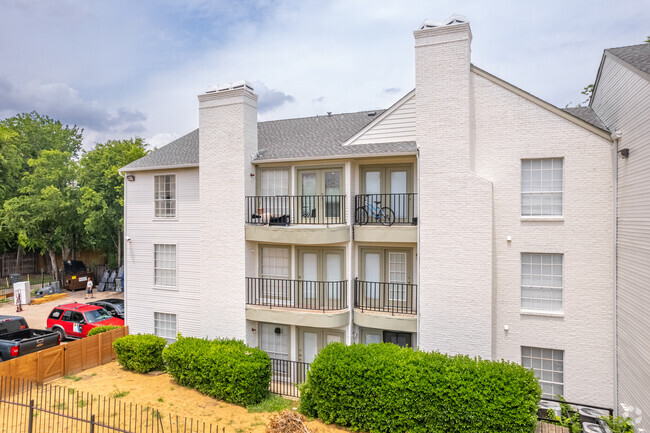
x=126, y=309
x=616, y=136
x=419, y=298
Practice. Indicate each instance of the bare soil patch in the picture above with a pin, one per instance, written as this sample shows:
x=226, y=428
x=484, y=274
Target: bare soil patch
x=162, y=393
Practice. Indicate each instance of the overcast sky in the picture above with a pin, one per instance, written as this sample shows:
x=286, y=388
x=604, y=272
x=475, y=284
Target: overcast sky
x=134, y=68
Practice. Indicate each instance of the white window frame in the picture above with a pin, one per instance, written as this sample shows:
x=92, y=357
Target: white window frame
x=165, y=214
x=546, y=285
x=157, y=319
x=542, y=192
x=545, y=363
x=263, y=292
x=175, y=268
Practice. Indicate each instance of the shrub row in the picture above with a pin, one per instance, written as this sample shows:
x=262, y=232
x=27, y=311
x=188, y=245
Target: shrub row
x=224, y=369
x=140, y=352
x=101, y=329
x=385, y=388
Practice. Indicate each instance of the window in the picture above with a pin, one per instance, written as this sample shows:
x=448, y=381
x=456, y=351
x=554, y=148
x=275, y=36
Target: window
x=541, y=187
x=274, y=182
x=164, y=326
x=541, y=282
x=165, y=196
x=548, y=365
x=274, y=340
x=164, y=265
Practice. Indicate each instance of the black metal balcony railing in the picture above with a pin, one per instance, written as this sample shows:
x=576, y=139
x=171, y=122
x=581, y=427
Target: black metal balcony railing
x=386, y=209
x=306, y=295
x=400, y=298
x=295, y=209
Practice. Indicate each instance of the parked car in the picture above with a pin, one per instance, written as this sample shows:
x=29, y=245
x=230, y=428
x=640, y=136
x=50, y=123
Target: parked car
x=76, y=320
x=114, y=306
x=17, y=339
x=75, y=275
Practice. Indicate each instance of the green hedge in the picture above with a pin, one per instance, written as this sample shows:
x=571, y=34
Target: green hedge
x=225, y=369
x=385, y=388
x=140, y=352
x=100, y=329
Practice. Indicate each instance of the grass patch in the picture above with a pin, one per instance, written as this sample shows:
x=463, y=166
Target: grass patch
x=60, y=406
x=71, y=391
x=160, y=400
x=93, y=374
x=120, y=394
x=72, y=377
x=82, y=403
x=273, y=403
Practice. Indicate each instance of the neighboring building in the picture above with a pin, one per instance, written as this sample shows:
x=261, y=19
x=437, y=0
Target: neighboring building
x=621, y=98
x=501, y=243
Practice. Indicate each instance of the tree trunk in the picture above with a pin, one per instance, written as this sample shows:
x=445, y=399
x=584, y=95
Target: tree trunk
x=65, y=252
x=18, y=269
x=119, y=249
x=55, y=268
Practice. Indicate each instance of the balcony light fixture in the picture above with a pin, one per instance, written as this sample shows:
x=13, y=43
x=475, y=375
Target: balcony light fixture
x=130, y=177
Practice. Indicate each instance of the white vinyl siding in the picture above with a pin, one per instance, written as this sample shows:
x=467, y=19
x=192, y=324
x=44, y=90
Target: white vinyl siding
x=548, y=365
x=165, y=326
x=164, y=265
x=395, y=127
x=165, y=196
x=541, y=282
x=541, y=187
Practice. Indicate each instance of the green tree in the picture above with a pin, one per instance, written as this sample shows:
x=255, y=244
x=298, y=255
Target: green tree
x=11, y=164
x=102, y=193
x=44, y=215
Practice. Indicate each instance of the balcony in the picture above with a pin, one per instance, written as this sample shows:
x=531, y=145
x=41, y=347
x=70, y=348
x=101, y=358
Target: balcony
x=393, y=298
x=286, y=210
x=385, y=209
x=297, y=294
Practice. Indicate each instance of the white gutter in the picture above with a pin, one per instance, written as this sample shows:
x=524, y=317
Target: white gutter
x=159, y=167
x=326, y=157
x=616, y=136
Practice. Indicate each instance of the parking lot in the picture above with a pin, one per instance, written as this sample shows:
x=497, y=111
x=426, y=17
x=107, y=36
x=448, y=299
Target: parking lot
x=36, y=315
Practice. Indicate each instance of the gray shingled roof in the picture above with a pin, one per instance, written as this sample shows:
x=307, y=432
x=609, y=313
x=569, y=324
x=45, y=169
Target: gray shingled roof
x=319, y=136
x=183, y=151
x=636, y=55
x=588, y=115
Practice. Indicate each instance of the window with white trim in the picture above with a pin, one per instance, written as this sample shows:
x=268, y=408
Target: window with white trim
x=164, y=326
x=541, y=187
x=541, y=282
x=274, y=181
x=164, y=195
x=164, y=263
x=548, y=366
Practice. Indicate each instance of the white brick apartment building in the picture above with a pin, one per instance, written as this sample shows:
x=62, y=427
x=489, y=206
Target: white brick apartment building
x=469, y=217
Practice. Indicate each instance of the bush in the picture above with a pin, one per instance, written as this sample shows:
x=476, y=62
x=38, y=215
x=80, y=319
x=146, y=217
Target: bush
x=140, y=352
x=100, y=329
x=385, y=388
x=224, y=369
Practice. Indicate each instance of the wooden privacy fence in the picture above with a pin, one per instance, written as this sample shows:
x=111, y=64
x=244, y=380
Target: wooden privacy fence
x=64, y=359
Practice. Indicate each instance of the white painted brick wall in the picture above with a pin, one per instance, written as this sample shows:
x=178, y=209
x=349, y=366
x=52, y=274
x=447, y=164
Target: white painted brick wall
x=455, y=221
x=227, y=140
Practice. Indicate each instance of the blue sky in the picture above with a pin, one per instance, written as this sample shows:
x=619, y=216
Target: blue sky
x=133, y=68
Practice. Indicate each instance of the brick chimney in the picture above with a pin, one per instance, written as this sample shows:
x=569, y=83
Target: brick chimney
x=455, y=231
x=227, y=143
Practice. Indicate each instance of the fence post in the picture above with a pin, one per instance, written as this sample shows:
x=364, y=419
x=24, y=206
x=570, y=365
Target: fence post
x=30, y=423
x=92, y=422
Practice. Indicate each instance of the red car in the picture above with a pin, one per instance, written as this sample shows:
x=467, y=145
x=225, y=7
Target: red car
x=76, y=320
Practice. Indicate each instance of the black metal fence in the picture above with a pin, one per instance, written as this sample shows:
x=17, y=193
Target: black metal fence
x=400, y=298
x=28, y=407
x=288, y=376
x=386, y=209
x=284, y=210
x=306, y=295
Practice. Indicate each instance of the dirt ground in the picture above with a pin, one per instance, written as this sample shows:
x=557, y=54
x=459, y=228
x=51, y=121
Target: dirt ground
x=36, y=315
x=162, y=393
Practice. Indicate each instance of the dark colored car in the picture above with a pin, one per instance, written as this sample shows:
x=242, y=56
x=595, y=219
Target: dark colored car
x=114, y=306
x=76, y=320
x=75, y=275
x=17, y=339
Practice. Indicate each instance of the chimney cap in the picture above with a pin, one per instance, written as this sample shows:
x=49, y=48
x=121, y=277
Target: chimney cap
x=241, y=84
x=452, y=20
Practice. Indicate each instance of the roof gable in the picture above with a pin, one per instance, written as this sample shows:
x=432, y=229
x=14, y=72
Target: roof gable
x=396, y=124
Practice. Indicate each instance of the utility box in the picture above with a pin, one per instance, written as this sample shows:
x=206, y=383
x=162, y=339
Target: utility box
x=23, y=288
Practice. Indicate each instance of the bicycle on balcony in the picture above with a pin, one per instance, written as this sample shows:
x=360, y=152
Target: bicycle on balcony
x=384, y=215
